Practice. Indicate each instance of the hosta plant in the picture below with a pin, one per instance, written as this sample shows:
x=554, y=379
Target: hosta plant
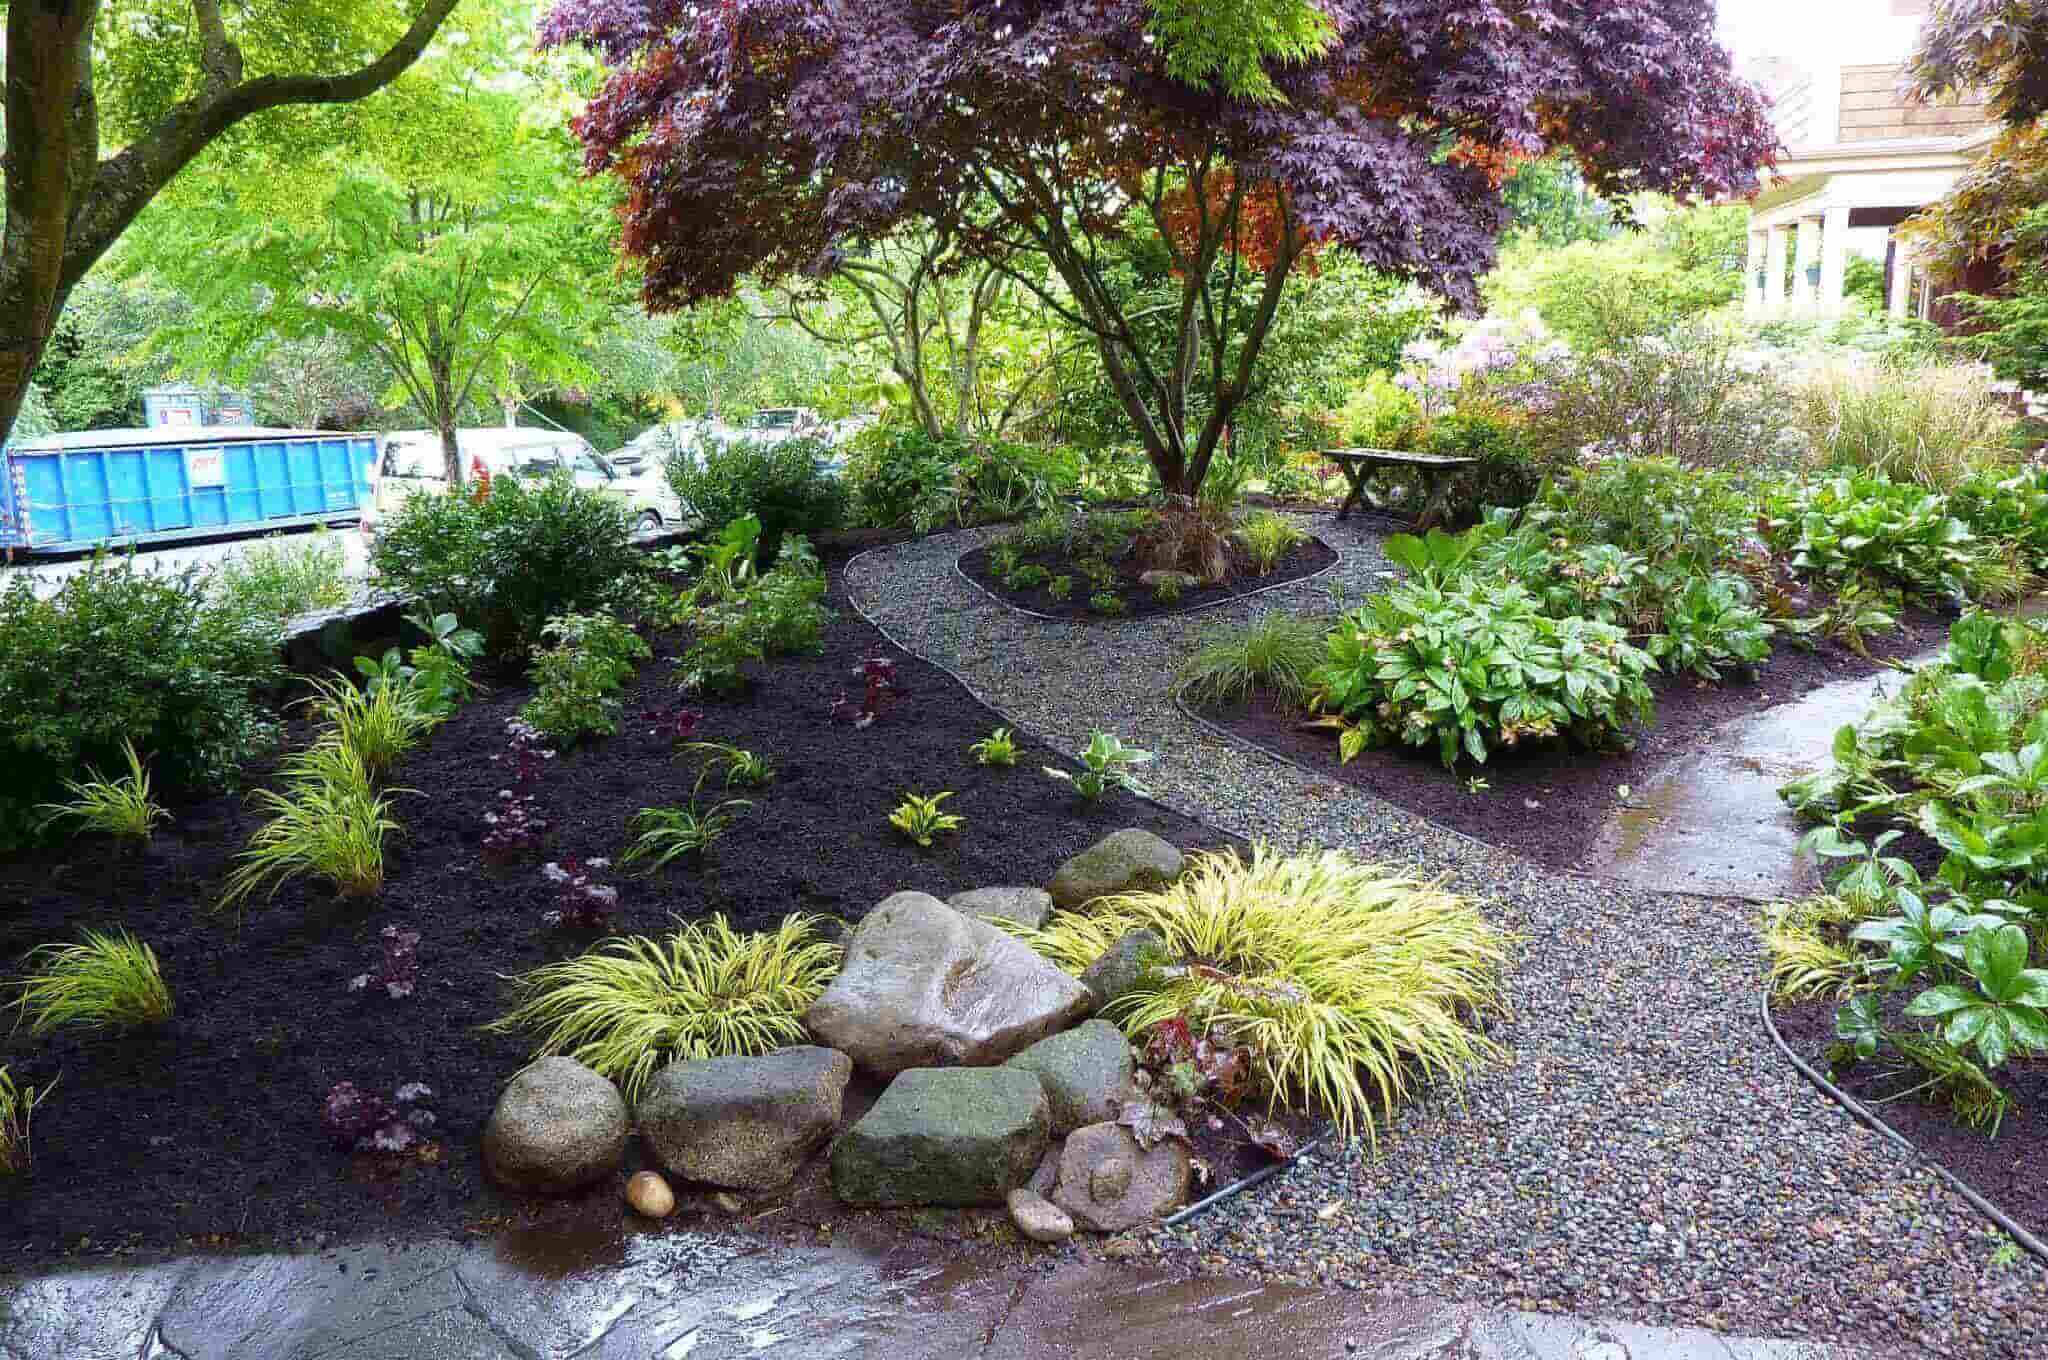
x=1710, y=624
x=1106, y=763
x=1471, y=668
x=997, y=748
x=923, y=820
x=633, y=1005
x=1843, y=527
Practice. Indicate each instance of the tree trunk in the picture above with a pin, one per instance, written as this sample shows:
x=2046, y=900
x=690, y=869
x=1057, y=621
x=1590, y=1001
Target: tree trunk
x=445, y=416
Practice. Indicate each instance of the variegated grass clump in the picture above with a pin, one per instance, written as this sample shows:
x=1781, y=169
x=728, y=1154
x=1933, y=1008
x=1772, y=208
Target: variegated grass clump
x=1806, y=962
x=17, y=1122
x=378, y=725
x=1348, y=983
x=105, y=981
x=122, y=808
x=633, y=1005
x=330, y=821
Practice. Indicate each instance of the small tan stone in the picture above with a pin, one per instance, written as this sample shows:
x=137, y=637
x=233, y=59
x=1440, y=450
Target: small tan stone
x=650, y=1196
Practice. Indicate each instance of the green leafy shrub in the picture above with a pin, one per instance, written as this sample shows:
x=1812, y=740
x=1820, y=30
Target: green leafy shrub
x=1695, y=518
x=281, y=578
x=737, y=616
x=633, y=1005
x=1107, y=602
x=162, y=669
x=1472, y=668
x=512, y=559
x=1344, y=983
x=1840, y=528
x=900, y=475
x=780, y=484
x=2008, y=506
x=1710, y=624
x=588, y=659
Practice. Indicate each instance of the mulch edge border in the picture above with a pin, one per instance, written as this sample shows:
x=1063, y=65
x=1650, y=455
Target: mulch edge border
x=1863, y=1114
x=1091, y=620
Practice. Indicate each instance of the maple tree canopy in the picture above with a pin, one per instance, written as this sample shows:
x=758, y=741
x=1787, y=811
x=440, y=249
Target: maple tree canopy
x=767, y=137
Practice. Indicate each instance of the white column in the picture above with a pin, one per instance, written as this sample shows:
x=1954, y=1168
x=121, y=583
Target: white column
x=1834, y=261
x=1774, y=271
x=1902, y=279
x=1752, y=278
x=1805, y=288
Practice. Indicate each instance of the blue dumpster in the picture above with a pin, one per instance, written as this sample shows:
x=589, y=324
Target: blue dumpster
x=66, y=492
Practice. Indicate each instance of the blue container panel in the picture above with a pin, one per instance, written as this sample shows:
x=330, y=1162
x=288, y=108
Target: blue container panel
x=83, y=496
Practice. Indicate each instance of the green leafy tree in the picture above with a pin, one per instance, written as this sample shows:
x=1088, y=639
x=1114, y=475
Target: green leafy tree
x=161, y=81
x=465, y=258
x=1229, y=42
x=2014, y=339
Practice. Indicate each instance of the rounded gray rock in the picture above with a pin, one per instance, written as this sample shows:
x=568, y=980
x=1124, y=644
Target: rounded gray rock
x=744, y=1123
x=558, y=1126
x=1024, y=906
x=1038, y=1218
x=1123, y=861
x=1086, y=1073
x=1109, y=1183
x=1122, y=966
x=956, y=1135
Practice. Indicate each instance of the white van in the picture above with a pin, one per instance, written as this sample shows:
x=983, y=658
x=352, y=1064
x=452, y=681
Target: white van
x=411, y=462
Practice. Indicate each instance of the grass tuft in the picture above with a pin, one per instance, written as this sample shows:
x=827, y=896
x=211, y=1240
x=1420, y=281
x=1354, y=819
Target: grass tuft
x=378, y=725
x=122, y=808
x=662, y=835
x=1269, y=536
x=634, y=1004
x=330, y=821
x=17, y=1121
x=1276, y=651
x=104, y=982
x=1348, y=983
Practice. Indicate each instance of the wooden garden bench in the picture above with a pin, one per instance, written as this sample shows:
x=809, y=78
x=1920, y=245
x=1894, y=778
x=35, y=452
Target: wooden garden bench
x=1436, y=475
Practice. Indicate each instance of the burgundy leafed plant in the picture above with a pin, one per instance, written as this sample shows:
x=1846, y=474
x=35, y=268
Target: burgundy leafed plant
x=398, y=972
x=673, y=725
x=516, y=826
x=769, y=139
x=582, y=903
x=363, y=1121
x=879, y=691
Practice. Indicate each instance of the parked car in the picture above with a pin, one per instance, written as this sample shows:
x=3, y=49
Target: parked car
x=411, y=463
x=777, y=423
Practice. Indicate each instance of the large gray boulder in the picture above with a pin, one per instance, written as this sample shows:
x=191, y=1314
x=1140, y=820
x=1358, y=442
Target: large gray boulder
x=924, y=986
x=558, y=1126
x=1122, y=965
x=954, y=1135
x=1025, y=906
x=1109, y=1183
x=1123, y=861
x=744, y=1123
x=1086, y=1073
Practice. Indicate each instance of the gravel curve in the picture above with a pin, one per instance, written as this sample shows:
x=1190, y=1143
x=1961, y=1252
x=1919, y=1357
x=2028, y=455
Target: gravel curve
x=1643, y=1155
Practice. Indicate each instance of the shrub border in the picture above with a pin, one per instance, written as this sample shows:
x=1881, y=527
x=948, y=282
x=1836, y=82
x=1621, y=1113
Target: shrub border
x=1862, y=1113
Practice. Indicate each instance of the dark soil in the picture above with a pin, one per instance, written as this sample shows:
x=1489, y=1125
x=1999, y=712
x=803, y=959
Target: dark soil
x=1550, y=803
x=1305, y=559
x=2005, y=1170
x=209, y=1128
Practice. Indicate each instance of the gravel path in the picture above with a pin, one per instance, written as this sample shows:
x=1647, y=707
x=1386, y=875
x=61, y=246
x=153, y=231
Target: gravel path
x=1644, y=1155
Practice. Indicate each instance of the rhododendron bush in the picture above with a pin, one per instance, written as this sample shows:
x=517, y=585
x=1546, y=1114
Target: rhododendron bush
x=774, y=138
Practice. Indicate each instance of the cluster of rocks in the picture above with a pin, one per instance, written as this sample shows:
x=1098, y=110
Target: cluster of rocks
x=1001, y=1089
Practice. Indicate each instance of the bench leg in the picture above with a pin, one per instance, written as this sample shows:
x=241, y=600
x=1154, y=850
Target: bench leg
x=1357, y=497
x=1436, y=506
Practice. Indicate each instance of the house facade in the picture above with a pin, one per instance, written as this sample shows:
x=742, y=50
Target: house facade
x=1860, y=157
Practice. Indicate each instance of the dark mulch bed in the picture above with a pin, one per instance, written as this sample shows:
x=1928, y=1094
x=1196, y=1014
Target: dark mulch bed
x=2005, y=1170
x=209, y=1128
x=1573, y=792
x=1305, y=559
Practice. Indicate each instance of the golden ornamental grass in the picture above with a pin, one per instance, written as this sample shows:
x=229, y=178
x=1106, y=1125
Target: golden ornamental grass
x=1349, y=983
x=105, y=981
x=633, y=1005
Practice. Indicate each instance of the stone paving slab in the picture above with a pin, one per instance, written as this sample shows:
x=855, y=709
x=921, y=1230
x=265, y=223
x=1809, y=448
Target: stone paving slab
x=685, y=1296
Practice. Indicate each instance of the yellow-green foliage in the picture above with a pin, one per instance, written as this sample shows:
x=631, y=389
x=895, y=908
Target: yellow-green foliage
x=330, y=821
x=1805, y=960
x=378, y=726
x=115, y=807
x=1933, y=426
x=106, y=981
x=921, y=819
x=633, y=1005
x=17, y=1118
x=1268, y=536
x=1346, y=981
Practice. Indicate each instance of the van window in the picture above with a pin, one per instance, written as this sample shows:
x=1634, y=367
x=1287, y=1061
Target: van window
x=413, y=458
x=538, y=461
x=586, y=462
